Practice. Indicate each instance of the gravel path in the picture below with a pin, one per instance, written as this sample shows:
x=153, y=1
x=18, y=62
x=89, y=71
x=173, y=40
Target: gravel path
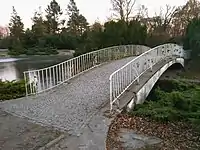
x=71, y=104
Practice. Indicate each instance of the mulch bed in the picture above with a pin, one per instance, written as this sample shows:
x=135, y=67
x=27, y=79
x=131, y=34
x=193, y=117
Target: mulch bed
x=175, y=136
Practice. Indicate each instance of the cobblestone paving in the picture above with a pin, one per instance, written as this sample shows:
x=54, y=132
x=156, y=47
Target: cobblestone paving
x=70, y=105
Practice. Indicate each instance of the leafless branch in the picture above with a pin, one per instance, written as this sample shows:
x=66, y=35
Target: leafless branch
x=123, y=8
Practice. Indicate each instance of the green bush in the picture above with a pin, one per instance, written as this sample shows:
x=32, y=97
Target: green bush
x=12, y=90
x=36, y=51
x=181, y=102
x=174, y=85
x=192, y=38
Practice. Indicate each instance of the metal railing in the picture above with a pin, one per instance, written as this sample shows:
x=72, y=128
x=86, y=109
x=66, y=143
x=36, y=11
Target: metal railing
x=121, y=79
x=37, y=81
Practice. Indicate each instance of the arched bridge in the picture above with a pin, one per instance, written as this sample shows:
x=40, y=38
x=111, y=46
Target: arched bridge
x=68, y=94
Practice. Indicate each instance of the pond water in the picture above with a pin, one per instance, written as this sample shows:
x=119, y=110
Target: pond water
x=13, y=68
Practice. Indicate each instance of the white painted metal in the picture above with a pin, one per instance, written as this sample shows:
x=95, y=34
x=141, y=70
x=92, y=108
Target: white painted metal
x=121, y=79
x=53, y=76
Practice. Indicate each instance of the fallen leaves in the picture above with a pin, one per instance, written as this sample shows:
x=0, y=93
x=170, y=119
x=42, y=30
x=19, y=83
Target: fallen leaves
x=175, y=136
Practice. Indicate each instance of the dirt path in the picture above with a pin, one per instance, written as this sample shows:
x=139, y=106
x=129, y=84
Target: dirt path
x=19, y=134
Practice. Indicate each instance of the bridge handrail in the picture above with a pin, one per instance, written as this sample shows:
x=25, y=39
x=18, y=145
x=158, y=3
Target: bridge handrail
x=40, y=80
x=76, y=58
x=121, y=79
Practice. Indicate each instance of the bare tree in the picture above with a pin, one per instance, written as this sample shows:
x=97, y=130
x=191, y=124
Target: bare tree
x=160, y=22
x=163, y=20
x=183, y=15
x=143, y=15
x=142, y=12
x=122, y=8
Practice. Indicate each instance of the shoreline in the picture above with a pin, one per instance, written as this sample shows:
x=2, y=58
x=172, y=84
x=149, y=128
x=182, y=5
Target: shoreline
x=60, y=53
x=24, y=56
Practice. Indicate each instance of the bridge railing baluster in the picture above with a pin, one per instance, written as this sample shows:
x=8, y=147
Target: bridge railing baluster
x=50, y=77
x=123, y=78
x=46, y=77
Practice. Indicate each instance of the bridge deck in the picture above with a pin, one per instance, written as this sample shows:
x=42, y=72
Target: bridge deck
x=70, y=105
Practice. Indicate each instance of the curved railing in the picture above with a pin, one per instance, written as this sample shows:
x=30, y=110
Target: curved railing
x=121, y=79
x=37, y=81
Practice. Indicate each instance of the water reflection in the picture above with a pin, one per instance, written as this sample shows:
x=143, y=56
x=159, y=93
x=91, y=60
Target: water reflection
x=8, y=71
x=13, y=68
x=6, y=60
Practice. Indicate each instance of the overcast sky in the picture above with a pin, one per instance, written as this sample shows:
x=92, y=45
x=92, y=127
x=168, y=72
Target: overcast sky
x=91, y=9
